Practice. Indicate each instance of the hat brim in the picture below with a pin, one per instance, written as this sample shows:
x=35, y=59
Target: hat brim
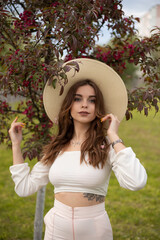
x=109, y=82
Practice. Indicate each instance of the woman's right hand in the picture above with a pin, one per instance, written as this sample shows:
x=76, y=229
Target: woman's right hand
x=15, y=132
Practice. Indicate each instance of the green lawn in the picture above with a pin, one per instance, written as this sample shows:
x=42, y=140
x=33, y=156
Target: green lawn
x=133, y=215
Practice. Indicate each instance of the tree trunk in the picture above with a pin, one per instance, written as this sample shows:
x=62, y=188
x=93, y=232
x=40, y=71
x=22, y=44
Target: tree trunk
x=38, y=221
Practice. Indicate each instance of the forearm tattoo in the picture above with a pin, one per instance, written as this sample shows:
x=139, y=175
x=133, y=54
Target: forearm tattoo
x=91, y=196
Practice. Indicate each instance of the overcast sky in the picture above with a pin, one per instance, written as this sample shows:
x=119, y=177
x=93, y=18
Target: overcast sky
x=137, y=8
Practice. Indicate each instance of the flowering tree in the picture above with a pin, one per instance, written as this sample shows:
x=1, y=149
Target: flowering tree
x=37, y=36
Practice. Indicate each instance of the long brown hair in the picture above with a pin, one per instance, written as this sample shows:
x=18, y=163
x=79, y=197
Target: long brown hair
x=96, y=144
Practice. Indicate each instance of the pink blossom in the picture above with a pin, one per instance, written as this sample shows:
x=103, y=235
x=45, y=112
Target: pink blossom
x=16, y=52
x=68, y=57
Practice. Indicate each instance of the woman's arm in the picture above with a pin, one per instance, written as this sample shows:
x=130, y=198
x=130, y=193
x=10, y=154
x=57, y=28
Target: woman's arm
x=127, y=168
x=15, y=133
x=26, y=182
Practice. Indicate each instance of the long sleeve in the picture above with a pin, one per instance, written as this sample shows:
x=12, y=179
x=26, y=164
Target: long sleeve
x=128, y=170
x=28, y=182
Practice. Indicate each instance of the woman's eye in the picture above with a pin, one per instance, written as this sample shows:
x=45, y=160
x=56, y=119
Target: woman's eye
x=77, y=99
x=92, y=100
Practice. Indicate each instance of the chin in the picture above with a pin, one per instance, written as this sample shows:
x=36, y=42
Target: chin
x=84, y=121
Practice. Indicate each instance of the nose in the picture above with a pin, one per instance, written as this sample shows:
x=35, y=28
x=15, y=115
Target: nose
x=84, y=104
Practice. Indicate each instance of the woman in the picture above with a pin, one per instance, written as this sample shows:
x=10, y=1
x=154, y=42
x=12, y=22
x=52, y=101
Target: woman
x=79, y=160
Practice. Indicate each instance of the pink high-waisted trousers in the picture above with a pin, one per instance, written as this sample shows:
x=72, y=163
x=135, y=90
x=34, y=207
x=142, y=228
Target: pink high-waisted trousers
x=79, y=223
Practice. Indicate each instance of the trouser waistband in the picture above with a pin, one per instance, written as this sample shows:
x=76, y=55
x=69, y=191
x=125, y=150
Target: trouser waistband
x=79, y=212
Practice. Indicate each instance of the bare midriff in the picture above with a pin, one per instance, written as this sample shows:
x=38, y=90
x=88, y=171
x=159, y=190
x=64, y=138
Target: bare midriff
x=76, y=199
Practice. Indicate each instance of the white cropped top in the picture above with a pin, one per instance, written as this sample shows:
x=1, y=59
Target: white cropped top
x=68, y=175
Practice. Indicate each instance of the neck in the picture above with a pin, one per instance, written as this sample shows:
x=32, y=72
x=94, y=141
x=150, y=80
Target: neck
x=80, y=130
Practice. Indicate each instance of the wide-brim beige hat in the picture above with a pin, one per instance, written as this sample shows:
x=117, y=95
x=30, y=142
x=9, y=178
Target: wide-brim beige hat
x=108, y=81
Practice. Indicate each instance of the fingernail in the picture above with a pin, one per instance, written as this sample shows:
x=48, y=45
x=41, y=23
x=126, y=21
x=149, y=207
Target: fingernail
x=16, y=118
x=22, y=125
x=101, y=119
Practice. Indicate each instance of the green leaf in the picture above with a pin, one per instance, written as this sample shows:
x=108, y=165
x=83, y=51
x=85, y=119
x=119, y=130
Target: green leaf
x=54, y=83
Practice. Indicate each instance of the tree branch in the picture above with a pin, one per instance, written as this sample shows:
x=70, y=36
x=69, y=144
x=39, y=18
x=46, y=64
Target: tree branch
x=13, y=111
x=11, y=40
x=33, y=101
x=14, y=8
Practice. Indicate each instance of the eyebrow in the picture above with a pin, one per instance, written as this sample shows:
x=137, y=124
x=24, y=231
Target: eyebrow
x=81, y=95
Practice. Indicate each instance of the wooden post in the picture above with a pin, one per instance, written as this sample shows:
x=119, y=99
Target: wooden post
x=38, y=221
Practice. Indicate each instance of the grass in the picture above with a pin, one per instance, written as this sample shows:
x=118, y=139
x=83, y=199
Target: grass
x=133, y=215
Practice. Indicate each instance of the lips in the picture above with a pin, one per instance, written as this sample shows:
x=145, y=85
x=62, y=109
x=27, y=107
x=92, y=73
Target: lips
x=84, y=113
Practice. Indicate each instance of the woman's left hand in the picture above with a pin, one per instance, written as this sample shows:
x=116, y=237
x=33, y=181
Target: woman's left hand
x=112, y=131
x=113, y=124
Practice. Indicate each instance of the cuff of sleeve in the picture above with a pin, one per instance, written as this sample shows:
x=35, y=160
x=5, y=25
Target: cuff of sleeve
x=17, y=167
x=19, y=171
x=116, y=157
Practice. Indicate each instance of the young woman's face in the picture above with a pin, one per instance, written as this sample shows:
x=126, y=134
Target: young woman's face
x=83, y=107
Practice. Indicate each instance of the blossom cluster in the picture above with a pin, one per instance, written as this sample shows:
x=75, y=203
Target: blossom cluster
x=29, y=111
x=112, y=57
x=117, y=57
x=26, y=20
x=4, y=107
